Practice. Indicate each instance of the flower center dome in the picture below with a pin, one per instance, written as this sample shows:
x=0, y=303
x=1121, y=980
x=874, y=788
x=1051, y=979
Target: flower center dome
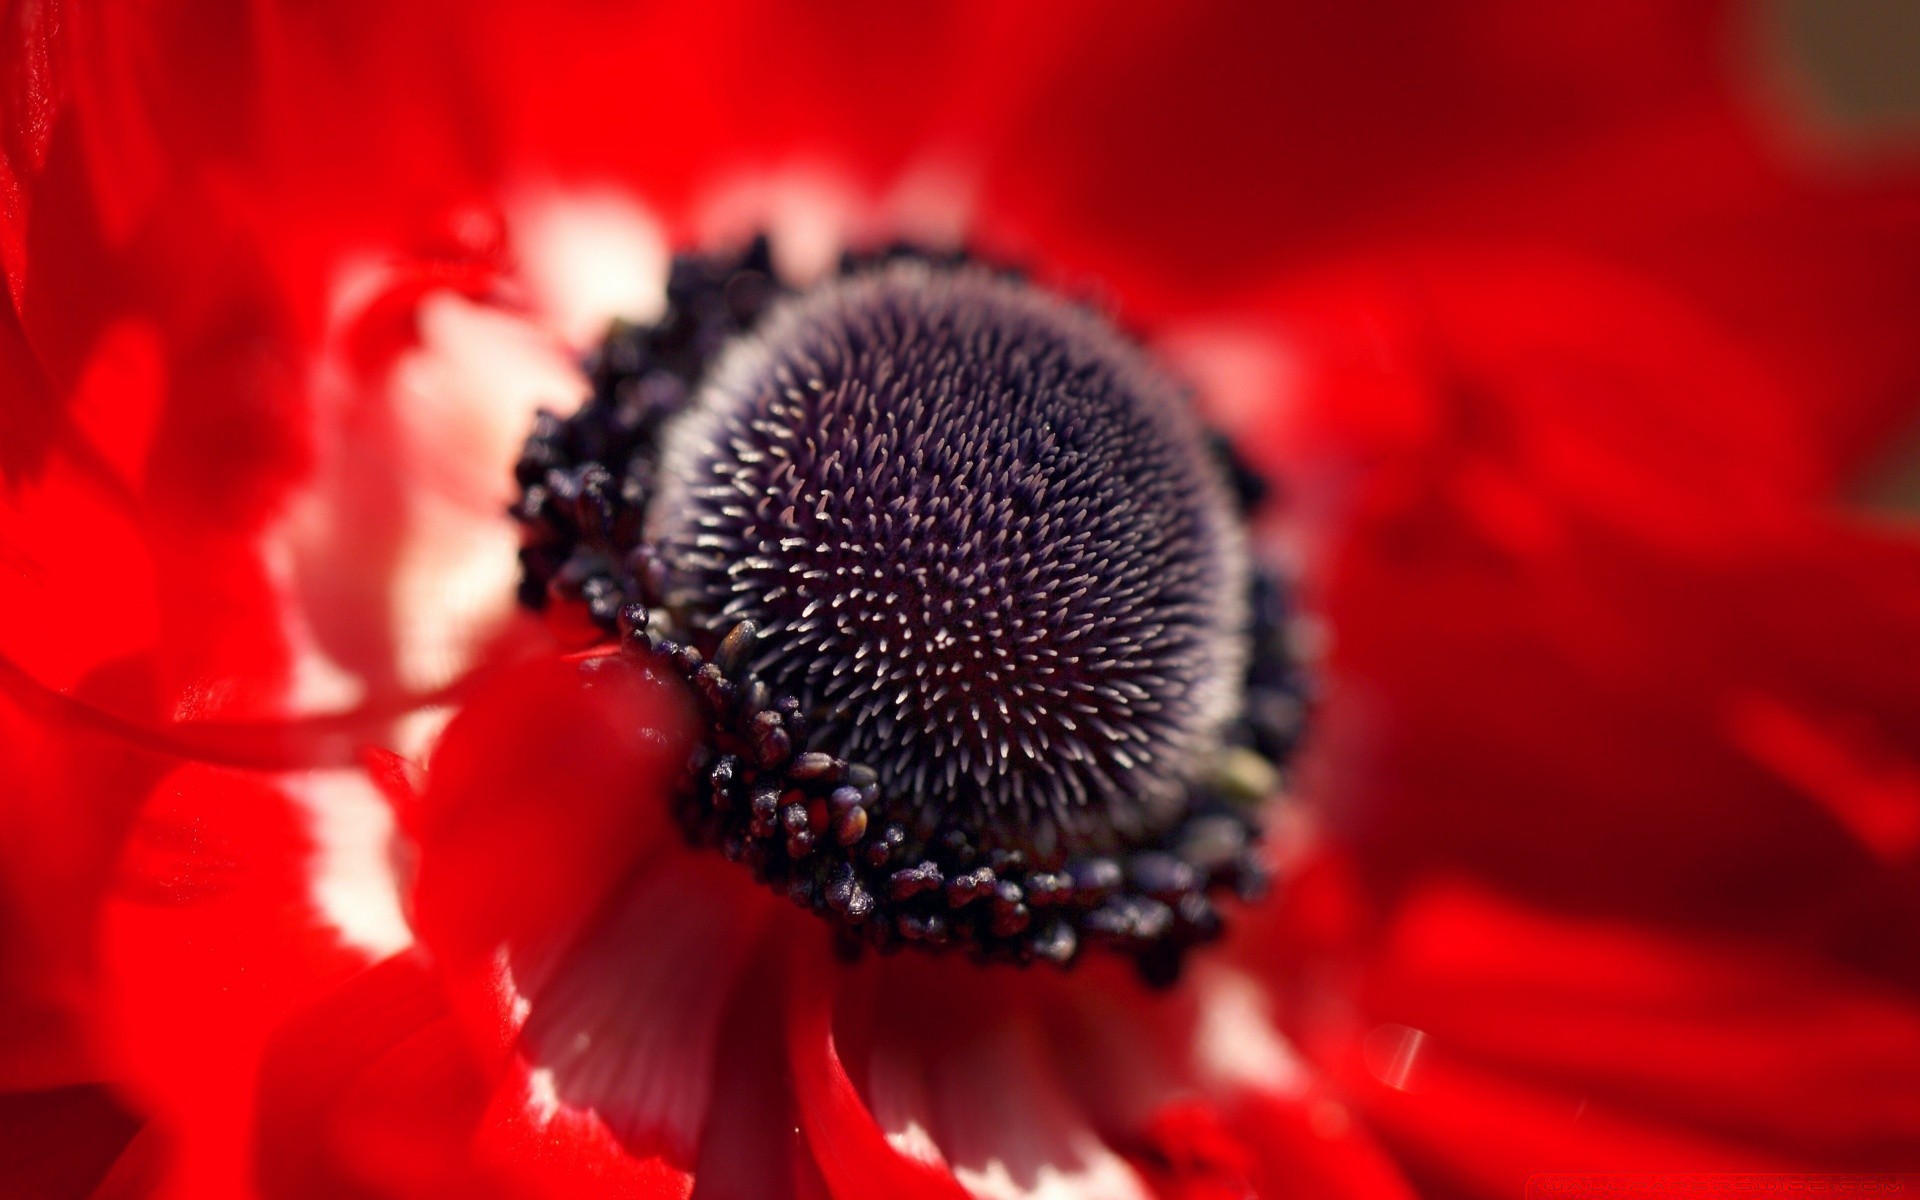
x=959, y=587
x=982, y=542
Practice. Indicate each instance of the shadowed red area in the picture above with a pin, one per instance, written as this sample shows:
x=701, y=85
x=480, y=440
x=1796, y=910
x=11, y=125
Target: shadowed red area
x=61, y=1142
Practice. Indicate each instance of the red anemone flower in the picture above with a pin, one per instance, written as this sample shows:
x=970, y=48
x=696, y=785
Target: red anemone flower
x=330, y=870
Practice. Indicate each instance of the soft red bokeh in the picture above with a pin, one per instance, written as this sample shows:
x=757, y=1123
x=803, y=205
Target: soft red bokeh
x=1568, y=346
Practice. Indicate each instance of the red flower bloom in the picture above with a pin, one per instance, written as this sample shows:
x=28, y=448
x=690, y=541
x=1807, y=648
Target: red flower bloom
x=330, y=875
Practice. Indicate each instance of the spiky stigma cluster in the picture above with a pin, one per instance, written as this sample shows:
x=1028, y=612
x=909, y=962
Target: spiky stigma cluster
x=961, y=586
x=980, y=539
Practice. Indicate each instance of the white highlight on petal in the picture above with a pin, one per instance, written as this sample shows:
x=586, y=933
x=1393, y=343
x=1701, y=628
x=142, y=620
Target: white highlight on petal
x=812, y=212
x=588, y=257
x=543, y=1099
x=1011, y=1130
x=1392, y=1053
x=399, y=553
x=1235, y=1041
x=414, y=735
x=358, y=282
x=465, y=401
x=518, y=1006
x=351, y=876
x=897, y=1096
x=353, y=880
x=627, y=1019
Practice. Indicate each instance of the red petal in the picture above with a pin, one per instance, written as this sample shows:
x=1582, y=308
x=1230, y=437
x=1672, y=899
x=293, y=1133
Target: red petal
x=1312, y=1146
x=72, y=797
x=211, y=939
x=546, y=789
x=378, y=1089
x=1197, y=149
x=560, y=1154
x=1576, y=558
x=1810, y=263
x=1188, y=1153
x=1596, y=1046
x=371, y=1091
x=854, y=1156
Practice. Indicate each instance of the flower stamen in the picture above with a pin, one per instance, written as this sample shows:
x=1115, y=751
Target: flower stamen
x=960, y=587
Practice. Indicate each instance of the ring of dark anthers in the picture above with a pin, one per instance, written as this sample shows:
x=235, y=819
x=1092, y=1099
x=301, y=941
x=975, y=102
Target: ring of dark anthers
x=812, y=825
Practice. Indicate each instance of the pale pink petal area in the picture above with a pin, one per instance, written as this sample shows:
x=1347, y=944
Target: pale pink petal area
x=808, y=212
x=1236, y=1044
x=1012, y=1130
x=858, y=1157
x=625, y=1022
x=900, y=1095
x=402, y=560
x=588, y=256
x=466, y=402
x=977, y=1074
x=544, y=1149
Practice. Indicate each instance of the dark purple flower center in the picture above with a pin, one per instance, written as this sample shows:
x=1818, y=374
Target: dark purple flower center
x=982, y=542
x=962, y=587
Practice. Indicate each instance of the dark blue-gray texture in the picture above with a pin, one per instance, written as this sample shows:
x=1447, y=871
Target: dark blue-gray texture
x=982, y=538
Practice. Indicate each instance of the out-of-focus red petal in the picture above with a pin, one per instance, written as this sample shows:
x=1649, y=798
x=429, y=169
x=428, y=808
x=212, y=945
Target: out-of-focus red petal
x=61, y=1142
x=72, y=790
x=141, y=1170
x=114, y=620
x=1188, y=1153
x=1506, y=379
x=1711, y=742
x=380, y=1089
x=209, y=939
x=371, y=1091
x=72, y=525
x=1578, y=570
x=1810, y=262
x=1192, y=155
x=763, y=85
x=1196, y=149
x=1601, y=1047
x=32, y=68
x=547, y=787
x=71, y=797
x=1313, y=1146
x=29, y=421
